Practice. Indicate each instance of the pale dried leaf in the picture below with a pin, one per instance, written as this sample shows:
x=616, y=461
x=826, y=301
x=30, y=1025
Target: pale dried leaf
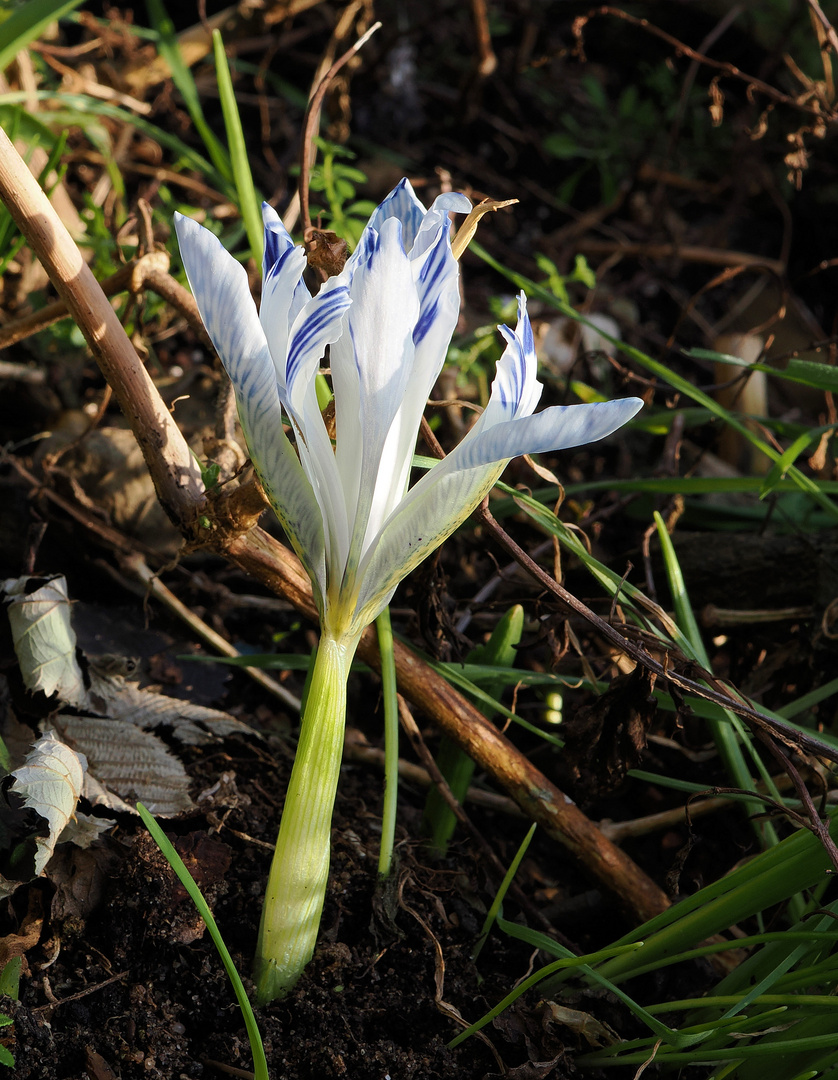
x=43, y=636
x=595, y=1032
x=50, y=783
x=83, y=829
x=114, y=696
x=128, y=763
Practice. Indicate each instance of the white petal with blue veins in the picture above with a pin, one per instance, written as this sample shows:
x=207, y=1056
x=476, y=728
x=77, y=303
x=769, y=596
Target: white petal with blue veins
x=220, y=287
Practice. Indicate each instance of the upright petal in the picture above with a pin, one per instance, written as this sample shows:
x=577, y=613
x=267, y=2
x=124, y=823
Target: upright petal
x=516, y=390
x=284, y=293
x=436, y=277
x=402, y=204
x=379, y=347
x=320, y=323
x=219, y=285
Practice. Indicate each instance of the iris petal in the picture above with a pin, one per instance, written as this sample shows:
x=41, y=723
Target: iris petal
x=442, y=500
x=403, y=205
x=219, y=285
x=516, y=390
x=379, y=345
x=284, y=293
x=319, y=323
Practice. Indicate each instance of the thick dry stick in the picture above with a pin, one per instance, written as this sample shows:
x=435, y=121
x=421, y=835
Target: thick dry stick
x=263, y=557
x=176, y=476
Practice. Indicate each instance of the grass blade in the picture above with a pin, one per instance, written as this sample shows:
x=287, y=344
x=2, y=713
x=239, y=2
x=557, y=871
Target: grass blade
x=168, y=48
x=27, y=23
x=260, y=1064
x=249, y=201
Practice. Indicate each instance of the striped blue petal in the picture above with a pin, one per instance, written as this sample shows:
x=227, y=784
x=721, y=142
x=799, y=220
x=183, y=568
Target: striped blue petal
x=403, y=205
x=516, y=390
x=371, y=370
x=318, y=324
x=284, y=293
x=219, y=285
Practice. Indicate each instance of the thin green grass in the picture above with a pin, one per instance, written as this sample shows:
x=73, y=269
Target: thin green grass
x=260, y=1064
x=27, y=22
x=248, y=199
x=389, y=693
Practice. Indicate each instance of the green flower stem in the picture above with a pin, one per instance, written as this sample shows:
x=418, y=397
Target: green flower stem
x=300, y=868
x=389, y=691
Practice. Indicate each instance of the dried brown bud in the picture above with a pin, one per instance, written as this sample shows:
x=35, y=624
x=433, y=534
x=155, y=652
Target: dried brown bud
x=325, y=251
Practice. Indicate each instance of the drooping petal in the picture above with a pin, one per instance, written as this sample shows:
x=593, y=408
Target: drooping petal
x=449, y=202
x=284, y=293
x=556, y=428
x=442, y=500
x=429, y=515
x=219, y=285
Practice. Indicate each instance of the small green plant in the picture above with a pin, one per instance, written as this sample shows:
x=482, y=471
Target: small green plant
x=37, y=135
x=337, y=181
x=557, y=283
x=609, y=136
x=608, y=139
x=439, y=822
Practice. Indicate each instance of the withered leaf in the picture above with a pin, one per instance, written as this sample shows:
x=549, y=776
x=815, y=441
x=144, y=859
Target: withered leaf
x=126, y=764
x=50, y=783
x=607, y=738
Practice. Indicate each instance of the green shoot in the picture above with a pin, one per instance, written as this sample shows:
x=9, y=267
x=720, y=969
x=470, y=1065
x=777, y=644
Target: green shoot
x=439, y=822
x=249, y=201
x=508, y=878
x=27, y=23
x=725, y=735
x=384, y=630
x=260, y=1064
x=168, y=48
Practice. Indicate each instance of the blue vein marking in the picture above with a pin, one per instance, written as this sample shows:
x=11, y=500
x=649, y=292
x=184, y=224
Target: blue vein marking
x=278, y=260
x=332, y=306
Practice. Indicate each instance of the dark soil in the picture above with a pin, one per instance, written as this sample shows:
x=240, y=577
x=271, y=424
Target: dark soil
x=123, y=981
x=127, y=974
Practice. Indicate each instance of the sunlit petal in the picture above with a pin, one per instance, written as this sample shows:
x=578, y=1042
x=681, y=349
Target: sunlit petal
x=515, y=391
x=442, y=500
x=450, y=202
x=219, y=285
x=319, y=323
x=403, y=205
x=284, y=294
x=379, y=346
x=436, y=276
x=430, y=513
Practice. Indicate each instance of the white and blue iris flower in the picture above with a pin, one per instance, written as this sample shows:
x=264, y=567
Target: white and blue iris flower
x=387, y=318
